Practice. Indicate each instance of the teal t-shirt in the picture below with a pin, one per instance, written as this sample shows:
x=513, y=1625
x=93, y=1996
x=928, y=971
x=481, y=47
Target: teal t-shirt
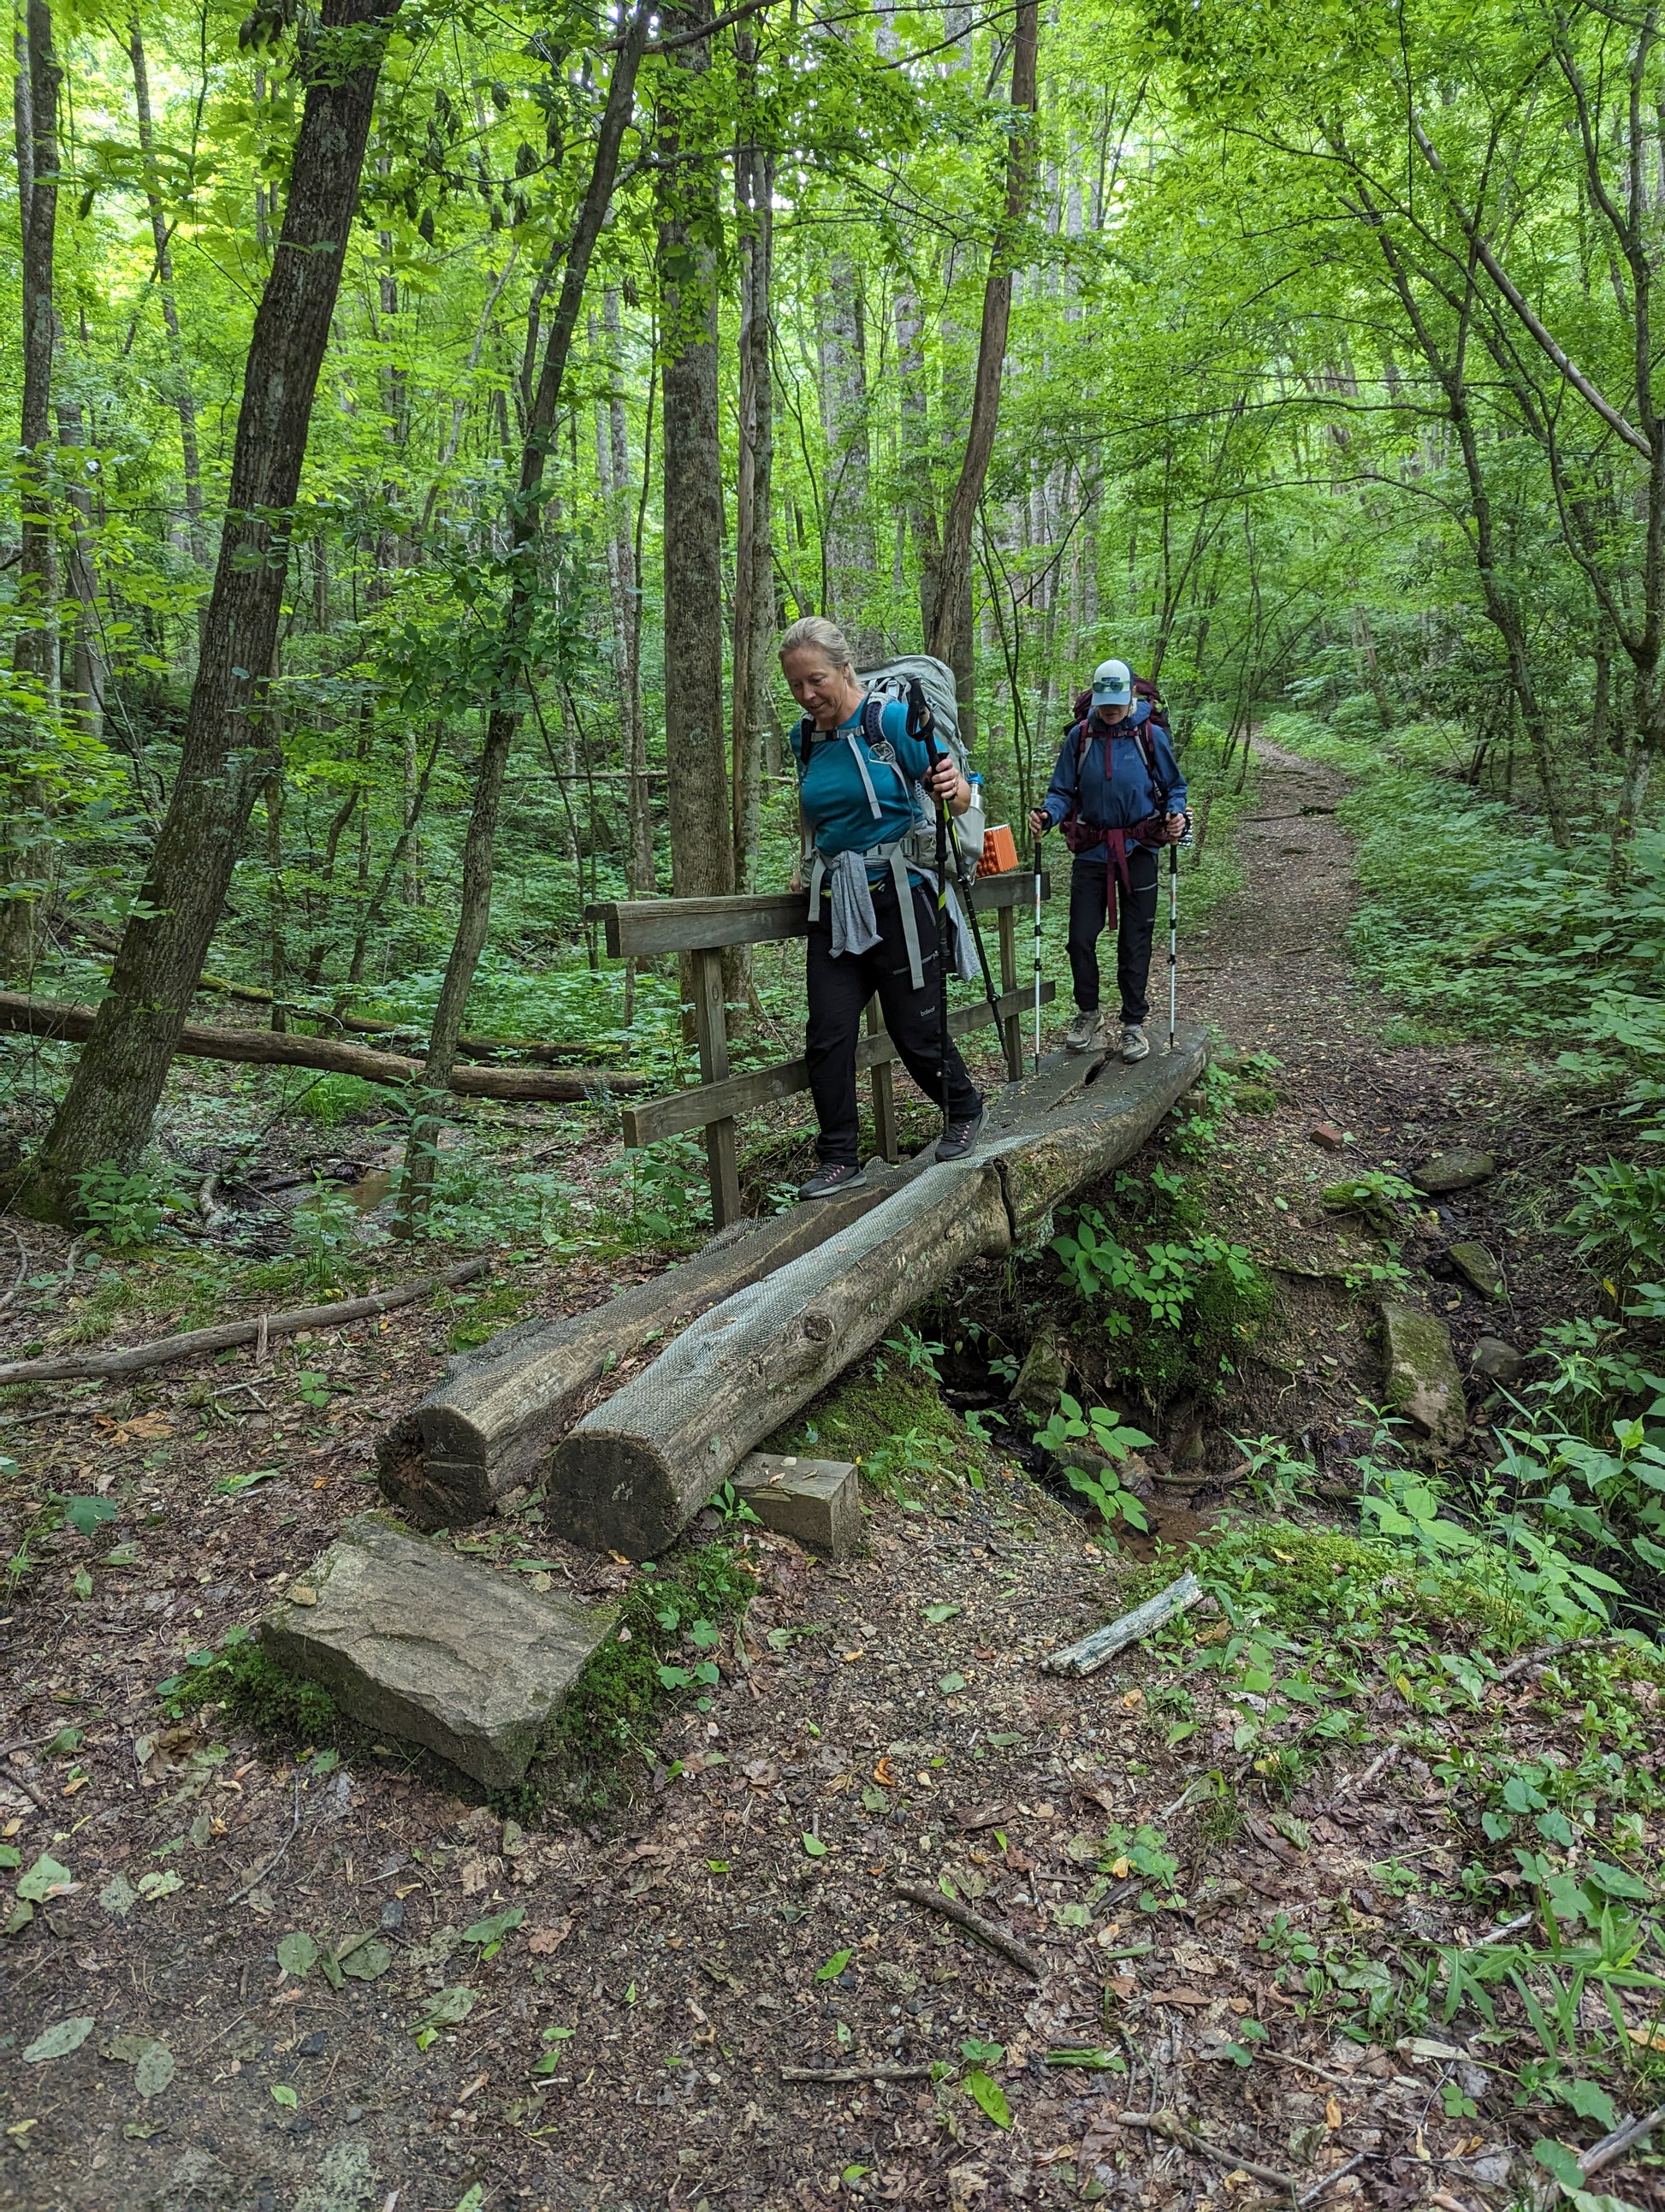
x=833, y=797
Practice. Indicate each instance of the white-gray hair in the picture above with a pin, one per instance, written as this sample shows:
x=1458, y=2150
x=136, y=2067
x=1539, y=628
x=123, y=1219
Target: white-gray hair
x=822, y=636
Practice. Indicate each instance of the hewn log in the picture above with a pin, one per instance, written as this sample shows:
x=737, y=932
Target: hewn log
x=46, y=1017
x=485, y=1426
x=634, y=1470
x=130, y=1359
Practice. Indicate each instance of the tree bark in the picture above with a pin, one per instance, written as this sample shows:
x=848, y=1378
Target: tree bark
x=184, y=400
x=849, y=558
x=614, y=442
x=754, y=557
x=701, y=841
x=949, y=634
x=26, y=849
x=225, y=757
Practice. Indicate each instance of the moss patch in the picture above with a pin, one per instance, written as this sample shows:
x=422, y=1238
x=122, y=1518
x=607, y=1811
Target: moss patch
x=238, y=1675
x=674, y=1614
x=889, y=1417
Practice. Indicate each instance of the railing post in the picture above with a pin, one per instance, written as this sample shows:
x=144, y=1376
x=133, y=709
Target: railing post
x=882, y=1079
x=711, y=1027
x=1011, y=1030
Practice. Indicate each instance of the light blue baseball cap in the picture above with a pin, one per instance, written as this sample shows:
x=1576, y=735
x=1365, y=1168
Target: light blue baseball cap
x=1112, y=683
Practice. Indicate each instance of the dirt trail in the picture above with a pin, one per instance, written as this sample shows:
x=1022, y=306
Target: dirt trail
x=881, y=1723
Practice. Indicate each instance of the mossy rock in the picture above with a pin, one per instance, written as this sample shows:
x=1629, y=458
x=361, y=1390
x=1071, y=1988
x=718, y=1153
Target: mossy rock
x=1254, y=1098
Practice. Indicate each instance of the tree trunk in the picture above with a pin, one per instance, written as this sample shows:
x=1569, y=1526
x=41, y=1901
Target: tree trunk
x=107, y=1112
x=87, y=673
x=701, y=841
x=504, y=718
x=753, y=560
x=613, y=459
x=26, y=849
x=850, y=560
x=949, y=635
x=184, y=400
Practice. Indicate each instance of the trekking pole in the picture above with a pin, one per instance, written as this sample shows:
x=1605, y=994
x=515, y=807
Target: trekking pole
x=919, y=724
x=1038, y=956
x=1173, y=942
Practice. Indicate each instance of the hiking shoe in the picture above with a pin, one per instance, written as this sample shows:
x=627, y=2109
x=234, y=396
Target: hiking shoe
x=1134, y=1042
x=958, y=1139
x=831, y=1181
x=1085, y=1033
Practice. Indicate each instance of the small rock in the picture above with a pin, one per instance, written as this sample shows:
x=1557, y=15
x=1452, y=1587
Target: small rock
x=1499, y=1361
x=353, y=2115
x=311, y=2046
x=1457, y=1169
x=1422, y=1378
x=393, y=1913
x=1327, y=1137
x=1041, y=1377
x=1475, y=1264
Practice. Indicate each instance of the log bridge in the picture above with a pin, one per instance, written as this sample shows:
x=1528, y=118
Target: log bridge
x=737, y=1338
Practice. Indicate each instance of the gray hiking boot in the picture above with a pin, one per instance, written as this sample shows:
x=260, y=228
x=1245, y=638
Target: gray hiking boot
x=1134, y=1042
x=958, y=1139
x=832, y=1181
x=1087, y=1032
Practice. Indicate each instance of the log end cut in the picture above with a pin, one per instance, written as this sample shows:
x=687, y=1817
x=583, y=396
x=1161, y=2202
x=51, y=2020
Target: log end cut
x=432, y=1487
x=616, y=1492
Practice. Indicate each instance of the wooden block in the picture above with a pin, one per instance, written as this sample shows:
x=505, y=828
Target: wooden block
x=817, y=1501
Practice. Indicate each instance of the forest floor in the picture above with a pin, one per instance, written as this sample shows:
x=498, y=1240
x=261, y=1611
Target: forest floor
x=1240, y=1906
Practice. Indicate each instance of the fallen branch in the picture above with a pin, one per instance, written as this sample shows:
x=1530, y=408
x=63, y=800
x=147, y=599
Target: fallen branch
x=986, y=1931
x=46, y=1017
x=9, y=1778
x=77, y=1367
x=1311, y=2196
x=1623, y=2137
x=1098, y=1649
x=1509, y=1927
x=855, y=2072
x=255, y=1881
x=1165, y=2123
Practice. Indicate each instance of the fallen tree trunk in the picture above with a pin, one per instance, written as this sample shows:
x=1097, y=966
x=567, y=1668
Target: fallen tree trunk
x=486, y=1425
x=636, y=1470
x=630, y=1474
x=130, y=1359
x=46, y=1017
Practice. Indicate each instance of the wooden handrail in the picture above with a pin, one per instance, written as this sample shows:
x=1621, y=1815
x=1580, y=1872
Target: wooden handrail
x=640, y=928
x=659, y=1118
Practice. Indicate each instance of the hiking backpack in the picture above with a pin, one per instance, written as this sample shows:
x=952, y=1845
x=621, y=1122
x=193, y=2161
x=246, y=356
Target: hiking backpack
x=891, y=680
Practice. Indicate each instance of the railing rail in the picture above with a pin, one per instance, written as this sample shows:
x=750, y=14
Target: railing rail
x=703, y=928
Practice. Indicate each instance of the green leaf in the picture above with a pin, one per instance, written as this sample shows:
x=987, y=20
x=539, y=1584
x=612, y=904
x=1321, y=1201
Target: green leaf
x=835, y=1966
x=493, y=1930
x=472, y=2197
x=949, y=1685
x=45, y=1879
x=9, y=1857
x=155, y=2070
x=282, y=2094
x=364, y=1959
x=1590, y=2102
x=297, y=1953
x=813, y=1846
x=160, y=1884
x=58, y=2041
x=987, y=2094
x=448, y=2010
x=118, y=1896
x=85, y=1514
x=935, y=1615
x=1557, y=2160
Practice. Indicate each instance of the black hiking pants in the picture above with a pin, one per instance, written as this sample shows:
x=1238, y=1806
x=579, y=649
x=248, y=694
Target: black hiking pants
x=1089, y=911
x=839, y=991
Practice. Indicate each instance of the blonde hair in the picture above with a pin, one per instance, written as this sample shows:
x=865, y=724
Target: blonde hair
x=822, y=635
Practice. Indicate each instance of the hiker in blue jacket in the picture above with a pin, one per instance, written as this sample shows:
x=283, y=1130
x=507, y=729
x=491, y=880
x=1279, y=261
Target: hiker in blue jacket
x=1118, y=792
x=872, y=919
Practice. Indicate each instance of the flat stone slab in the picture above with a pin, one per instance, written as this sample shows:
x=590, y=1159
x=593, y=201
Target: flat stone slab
x=1457, y=1169
x=410, y=1640
x=815, y=1501
x=1478, y=1269
x=1422, y=1378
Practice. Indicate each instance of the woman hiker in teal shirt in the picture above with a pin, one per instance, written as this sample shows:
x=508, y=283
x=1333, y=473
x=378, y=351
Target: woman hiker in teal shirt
x=858, y=811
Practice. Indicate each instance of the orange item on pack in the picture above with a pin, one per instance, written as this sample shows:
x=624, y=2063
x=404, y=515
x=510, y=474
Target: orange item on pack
x=1000, y=851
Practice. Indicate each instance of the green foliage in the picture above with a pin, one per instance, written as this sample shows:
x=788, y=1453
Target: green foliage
x=1177, y=1309
x=1111, y=1437
x=123, y=1210
x=670, y=1620
x=238, y=1674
